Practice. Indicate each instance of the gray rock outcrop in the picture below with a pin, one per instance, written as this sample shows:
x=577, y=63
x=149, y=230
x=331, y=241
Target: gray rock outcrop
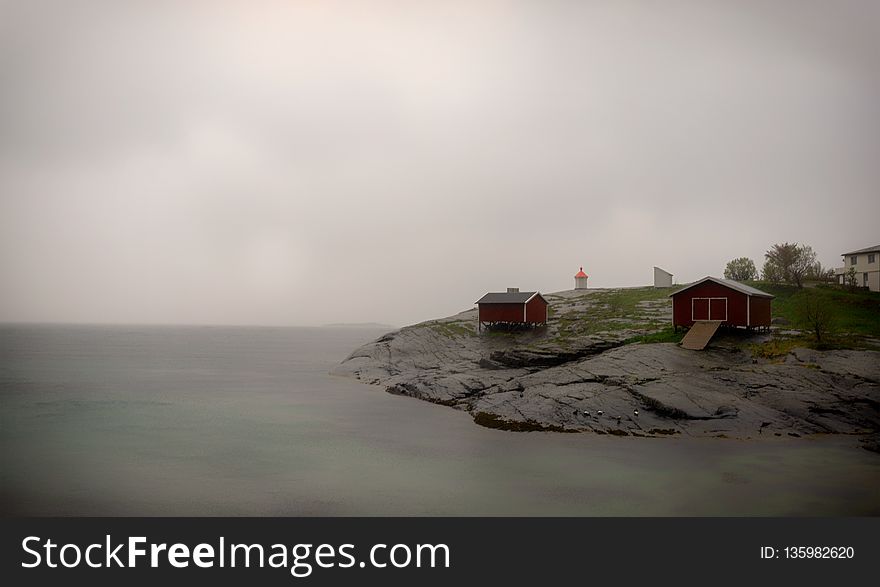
x=591, y=374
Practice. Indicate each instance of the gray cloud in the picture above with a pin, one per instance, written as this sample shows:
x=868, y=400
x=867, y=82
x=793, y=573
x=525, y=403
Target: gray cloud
x=302, y=163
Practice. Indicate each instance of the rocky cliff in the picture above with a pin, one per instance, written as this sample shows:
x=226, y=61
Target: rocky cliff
x=594, y=368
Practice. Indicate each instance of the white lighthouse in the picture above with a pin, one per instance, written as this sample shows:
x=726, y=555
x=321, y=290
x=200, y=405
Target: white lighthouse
x=580, y=279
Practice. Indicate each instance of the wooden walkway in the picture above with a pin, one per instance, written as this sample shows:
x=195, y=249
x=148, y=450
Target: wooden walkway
x=700, y=334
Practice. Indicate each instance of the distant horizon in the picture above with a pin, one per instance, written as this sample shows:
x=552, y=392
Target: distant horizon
x=362, y=324
x=366, y=321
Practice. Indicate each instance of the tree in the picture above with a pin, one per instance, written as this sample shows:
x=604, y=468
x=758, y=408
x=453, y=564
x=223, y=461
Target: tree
x=789, y=263
x=851, y=279
x=815, y=314
x=818, y=272
x=772, y=272
x=741, y=269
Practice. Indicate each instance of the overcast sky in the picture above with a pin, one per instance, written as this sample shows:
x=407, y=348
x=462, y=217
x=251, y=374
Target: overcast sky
x=316, y=161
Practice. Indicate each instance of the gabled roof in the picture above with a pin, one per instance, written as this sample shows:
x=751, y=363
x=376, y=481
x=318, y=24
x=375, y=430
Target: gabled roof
x=735, y=285
x=873, y=249
x=517, y=297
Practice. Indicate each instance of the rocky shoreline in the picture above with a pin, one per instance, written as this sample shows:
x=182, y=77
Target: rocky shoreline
x=584, y=372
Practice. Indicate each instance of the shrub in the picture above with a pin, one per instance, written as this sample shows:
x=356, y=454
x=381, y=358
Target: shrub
x=815, y=315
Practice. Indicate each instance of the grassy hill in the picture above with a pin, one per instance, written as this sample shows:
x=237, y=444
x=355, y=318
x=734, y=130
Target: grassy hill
x=856, y=315
x=855, y=312
x=642, y=314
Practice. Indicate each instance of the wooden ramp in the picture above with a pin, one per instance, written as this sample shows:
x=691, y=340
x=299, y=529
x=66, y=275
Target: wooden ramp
x=700, y=334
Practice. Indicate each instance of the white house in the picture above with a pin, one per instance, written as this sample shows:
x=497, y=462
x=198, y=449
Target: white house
x=866, y=262
x=580, y=279
x=662, y=278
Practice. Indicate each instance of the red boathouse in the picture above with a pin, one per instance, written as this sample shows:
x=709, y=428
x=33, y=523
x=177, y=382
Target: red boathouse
x=512, y=307
x=729, y=302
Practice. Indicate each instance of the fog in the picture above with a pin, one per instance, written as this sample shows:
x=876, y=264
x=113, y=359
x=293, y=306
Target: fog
x=287, y=163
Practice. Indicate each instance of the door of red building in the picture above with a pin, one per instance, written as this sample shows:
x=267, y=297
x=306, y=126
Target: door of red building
x=699, y=308
x=718, y=309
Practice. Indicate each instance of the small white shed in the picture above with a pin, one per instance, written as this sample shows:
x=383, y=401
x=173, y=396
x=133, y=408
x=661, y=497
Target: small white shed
x=662, y=278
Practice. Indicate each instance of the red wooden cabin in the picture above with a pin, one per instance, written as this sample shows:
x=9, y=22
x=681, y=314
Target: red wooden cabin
x=512, y=307
x=731, y=302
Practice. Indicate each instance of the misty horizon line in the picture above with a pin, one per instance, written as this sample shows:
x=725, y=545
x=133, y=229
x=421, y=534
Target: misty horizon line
x=4, y=323
x=342, y=324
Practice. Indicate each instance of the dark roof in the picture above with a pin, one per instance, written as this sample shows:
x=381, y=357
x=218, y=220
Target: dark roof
x=735, y=285
x=867, y=250
x=519, y=297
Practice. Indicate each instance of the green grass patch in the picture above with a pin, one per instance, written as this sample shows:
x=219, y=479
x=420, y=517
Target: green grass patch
x=494, y=421
x=613, y=310
x=777, y=347
x=854, y=312
x=625, y=302
x=666, y=335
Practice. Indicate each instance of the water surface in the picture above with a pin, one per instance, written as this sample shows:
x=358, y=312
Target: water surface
x=99, y=420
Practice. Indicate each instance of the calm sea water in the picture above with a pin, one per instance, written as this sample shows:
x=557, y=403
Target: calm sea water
x=246, y=421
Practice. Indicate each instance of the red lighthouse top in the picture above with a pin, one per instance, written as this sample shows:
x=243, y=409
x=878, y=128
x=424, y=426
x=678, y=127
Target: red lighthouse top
x=581, y=273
